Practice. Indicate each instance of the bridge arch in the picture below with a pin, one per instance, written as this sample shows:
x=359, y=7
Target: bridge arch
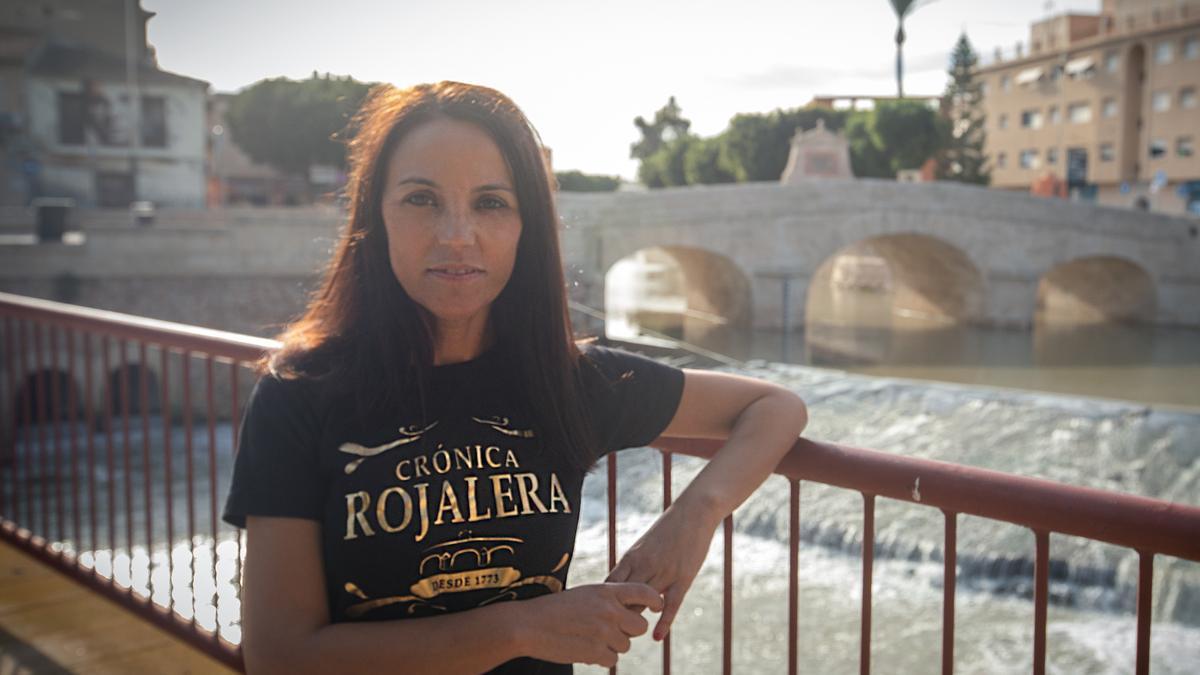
x=893, y=279
x=861, y=295
x=48, y=395
x=683, y=291
x=127, y=381
x=1096, y=289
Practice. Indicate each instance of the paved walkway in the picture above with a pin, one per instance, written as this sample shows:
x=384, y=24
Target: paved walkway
x=51, y=624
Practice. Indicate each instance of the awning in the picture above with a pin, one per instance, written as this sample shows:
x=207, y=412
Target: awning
x=1029, y=75
x=1079, y=66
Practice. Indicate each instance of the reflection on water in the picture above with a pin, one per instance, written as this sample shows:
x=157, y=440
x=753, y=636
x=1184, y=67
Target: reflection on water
x=1132, y=362
x=907, y=306
x=190, y=585
x=1137, y=362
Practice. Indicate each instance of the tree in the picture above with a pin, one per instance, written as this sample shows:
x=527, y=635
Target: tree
x=577, y=181
x=902, y=8
x=292, y=125
x=669, y=124
x=702, y=163
x=665, y=168
x=962, y=105
x=909, y=132
x=867, y=158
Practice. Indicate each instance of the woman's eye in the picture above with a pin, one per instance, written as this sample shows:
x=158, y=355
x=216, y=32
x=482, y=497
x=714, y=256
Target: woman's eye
x=492, y=203
x=419, y=199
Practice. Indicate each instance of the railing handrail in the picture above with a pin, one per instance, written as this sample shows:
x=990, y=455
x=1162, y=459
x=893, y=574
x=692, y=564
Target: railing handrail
x=1141, y=523
x=219, y=343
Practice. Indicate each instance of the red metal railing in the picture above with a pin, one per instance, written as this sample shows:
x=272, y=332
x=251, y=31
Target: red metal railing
x=31, y=329
x=1147, y=526
x=32, y=458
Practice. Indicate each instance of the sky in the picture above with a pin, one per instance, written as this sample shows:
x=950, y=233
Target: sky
x=582, y=71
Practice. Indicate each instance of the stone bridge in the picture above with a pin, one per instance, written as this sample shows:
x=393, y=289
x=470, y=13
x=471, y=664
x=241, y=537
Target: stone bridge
x=959, y=251
x=952, y=251
x=962, y=252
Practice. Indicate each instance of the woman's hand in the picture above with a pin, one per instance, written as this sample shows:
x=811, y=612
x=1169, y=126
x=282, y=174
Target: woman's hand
x=760, y=422
x=587, y=624
x=669, y=555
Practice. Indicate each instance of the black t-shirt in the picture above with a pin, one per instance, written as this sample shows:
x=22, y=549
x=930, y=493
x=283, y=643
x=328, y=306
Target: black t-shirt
x=456, y=508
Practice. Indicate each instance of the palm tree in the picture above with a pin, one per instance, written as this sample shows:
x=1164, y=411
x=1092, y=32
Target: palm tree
x=902, y=8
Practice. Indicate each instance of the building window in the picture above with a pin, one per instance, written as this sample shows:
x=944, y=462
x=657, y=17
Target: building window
x=154, y=122
x=1109, y=107
x=1031, y=119
x=1005, y=83
x=1052, y=113
x=1002, y=121
x=1029, y=159
x=1158, y=148
x=1191, y=48
x=1161, y=101
x=70, y=118
x=1106, y=152
x=1052, y=155
x=1111, y=62
x=1187, y=97
x=1184, y=147
x=1001, y=160
x=1163, y=53
x=1079, y=113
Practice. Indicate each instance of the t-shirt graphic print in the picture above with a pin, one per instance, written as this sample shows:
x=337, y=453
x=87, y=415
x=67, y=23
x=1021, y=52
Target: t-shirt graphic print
x=447, y=509
x=462, y=506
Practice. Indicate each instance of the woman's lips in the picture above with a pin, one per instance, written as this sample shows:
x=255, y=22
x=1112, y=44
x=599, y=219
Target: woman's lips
x=456, y=272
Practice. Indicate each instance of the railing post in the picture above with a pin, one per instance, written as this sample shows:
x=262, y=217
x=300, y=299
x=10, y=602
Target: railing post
x=1041, y=588
x=55, y=420
x=1145, y=610
x=727, y=602
x=949, y=576
x=612, y=519
x=144, y=403
x=667, y=496
x=868, y=562
x=793, y=576
x=165, y=414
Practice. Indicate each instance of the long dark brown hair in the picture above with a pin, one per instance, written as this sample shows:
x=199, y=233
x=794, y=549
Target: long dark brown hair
x=362, y=333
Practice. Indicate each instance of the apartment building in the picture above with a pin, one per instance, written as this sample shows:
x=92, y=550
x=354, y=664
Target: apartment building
x=1109, y=103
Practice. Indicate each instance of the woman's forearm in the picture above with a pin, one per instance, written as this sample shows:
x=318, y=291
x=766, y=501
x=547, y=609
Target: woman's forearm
x=762, y=434
x=472, y=641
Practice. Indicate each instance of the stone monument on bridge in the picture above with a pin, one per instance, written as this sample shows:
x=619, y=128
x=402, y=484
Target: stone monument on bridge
x=817, y=154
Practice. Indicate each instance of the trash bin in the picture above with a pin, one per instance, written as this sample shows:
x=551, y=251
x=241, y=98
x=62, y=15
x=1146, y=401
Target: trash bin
x=143, y=213
x=52, y=216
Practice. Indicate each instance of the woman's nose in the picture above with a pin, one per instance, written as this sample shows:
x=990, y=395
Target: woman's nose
x=455, y=228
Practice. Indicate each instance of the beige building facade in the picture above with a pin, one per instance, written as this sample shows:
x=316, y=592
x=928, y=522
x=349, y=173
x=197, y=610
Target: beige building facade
x=1109, y=103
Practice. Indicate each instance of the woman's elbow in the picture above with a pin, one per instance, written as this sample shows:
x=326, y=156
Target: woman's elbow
x=793, y=410
x=275, y=657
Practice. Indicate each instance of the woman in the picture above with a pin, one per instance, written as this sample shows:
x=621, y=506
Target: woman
x=411, y=460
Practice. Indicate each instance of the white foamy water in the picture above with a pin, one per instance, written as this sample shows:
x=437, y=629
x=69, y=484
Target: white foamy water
x=1104, y=444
